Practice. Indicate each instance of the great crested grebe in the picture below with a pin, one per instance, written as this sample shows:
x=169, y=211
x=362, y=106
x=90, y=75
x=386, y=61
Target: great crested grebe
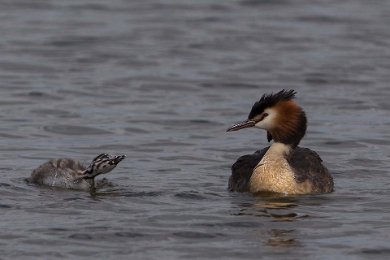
x=282, y=167
x=71, y=174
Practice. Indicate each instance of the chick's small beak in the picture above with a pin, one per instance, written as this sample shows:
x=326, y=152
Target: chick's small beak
x=245, y=124
x=119, y=158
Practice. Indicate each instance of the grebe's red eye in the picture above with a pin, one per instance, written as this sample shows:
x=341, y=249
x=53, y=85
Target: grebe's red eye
x=264, y=115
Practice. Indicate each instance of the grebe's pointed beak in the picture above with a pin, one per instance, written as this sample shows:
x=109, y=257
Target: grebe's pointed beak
x=245, y=124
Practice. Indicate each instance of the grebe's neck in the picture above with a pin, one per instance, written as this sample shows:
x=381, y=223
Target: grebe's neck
x=279, y=150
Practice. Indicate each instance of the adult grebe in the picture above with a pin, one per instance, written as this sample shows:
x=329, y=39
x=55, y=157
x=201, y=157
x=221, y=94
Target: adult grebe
x=282, y=167
x=70, y=174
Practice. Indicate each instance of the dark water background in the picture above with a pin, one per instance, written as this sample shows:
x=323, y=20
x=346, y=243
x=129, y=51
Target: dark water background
x=161, y=81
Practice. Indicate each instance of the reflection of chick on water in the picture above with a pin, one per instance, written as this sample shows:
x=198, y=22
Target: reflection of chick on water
x=70, y=174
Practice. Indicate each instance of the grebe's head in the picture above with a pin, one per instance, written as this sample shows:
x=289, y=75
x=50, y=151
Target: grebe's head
x=279, y=115
x=102, y=164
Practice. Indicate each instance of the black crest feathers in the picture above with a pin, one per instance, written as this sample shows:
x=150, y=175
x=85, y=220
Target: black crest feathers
x=270, y=100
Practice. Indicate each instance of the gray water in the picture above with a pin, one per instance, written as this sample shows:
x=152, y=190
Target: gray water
x=161, y=81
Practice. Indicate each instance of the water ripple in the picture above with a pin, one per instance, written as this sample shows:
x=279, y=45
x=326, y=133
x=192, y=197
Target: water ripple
x=74, y=130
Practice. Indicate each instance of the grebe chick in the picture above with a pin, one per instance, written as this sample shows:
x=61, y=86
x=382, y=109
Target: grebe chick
x=71, y=174
x=282, y=167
